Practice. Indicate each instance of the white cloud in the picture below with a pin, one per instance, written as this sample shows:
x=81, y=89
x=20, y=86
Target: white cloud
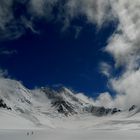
x=124, y=46
x=105, y=69
x=127, y=86
x=42, y=7
x=96, y=11
x=7, y=52
x=105, y=100
x=85, y=98
x=5, y=14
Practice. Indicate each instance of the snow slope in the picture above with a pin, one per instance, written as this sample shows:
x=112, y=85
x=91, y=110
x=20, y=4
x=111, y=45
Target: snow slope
x=60, y=114
x=69, y=135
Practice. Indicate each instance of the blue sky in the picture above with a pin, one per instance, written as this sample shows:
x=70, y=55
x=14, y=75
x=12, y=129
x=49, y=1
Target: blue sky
x=53, y=57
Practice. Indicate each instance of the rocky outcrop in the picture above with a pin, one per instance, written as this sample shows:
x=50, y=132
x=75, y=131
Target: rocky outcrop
x=3, y=105
x=101, y=111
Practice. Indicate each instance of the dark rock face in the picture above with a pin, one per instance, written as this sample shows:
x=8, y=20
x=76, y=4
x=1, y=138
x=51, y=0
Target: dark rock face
x=101, y=111
x=115, y=110
x=57, y=101
x=3, y=105
x=132, y=107
x=64, y=107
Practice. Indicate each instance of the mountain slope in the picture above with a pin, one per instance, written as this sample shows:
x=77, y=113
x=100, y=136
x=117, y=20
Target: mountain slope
x=50, y=107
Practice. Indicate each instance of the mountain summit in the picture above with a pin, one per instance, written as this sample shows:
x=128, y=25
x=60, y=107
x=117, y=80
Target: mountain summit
x=62, y=101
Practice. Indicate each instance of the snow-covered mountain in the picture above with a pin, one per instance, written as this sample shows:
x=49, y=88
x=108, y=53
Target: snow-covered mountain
x=46, y=106
x=15, y=97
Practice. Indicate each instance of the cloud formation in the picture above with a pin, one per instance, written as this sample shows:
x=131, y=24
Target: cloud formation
x=18, y=15
x=4, y=51
x=125, y=40
x=96, y=11
x=105, y=69
x=124, y=46
x=10, y=26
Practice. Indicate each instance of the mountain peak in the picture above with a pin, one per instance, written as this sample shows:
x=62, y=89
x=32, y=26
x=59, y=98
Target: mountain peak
x=47, y=100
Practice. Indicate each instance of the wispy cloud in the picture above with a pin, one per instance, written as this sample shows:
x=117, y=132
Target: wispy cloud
x=16, y=16
x=5, y=51
x=105, y=69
